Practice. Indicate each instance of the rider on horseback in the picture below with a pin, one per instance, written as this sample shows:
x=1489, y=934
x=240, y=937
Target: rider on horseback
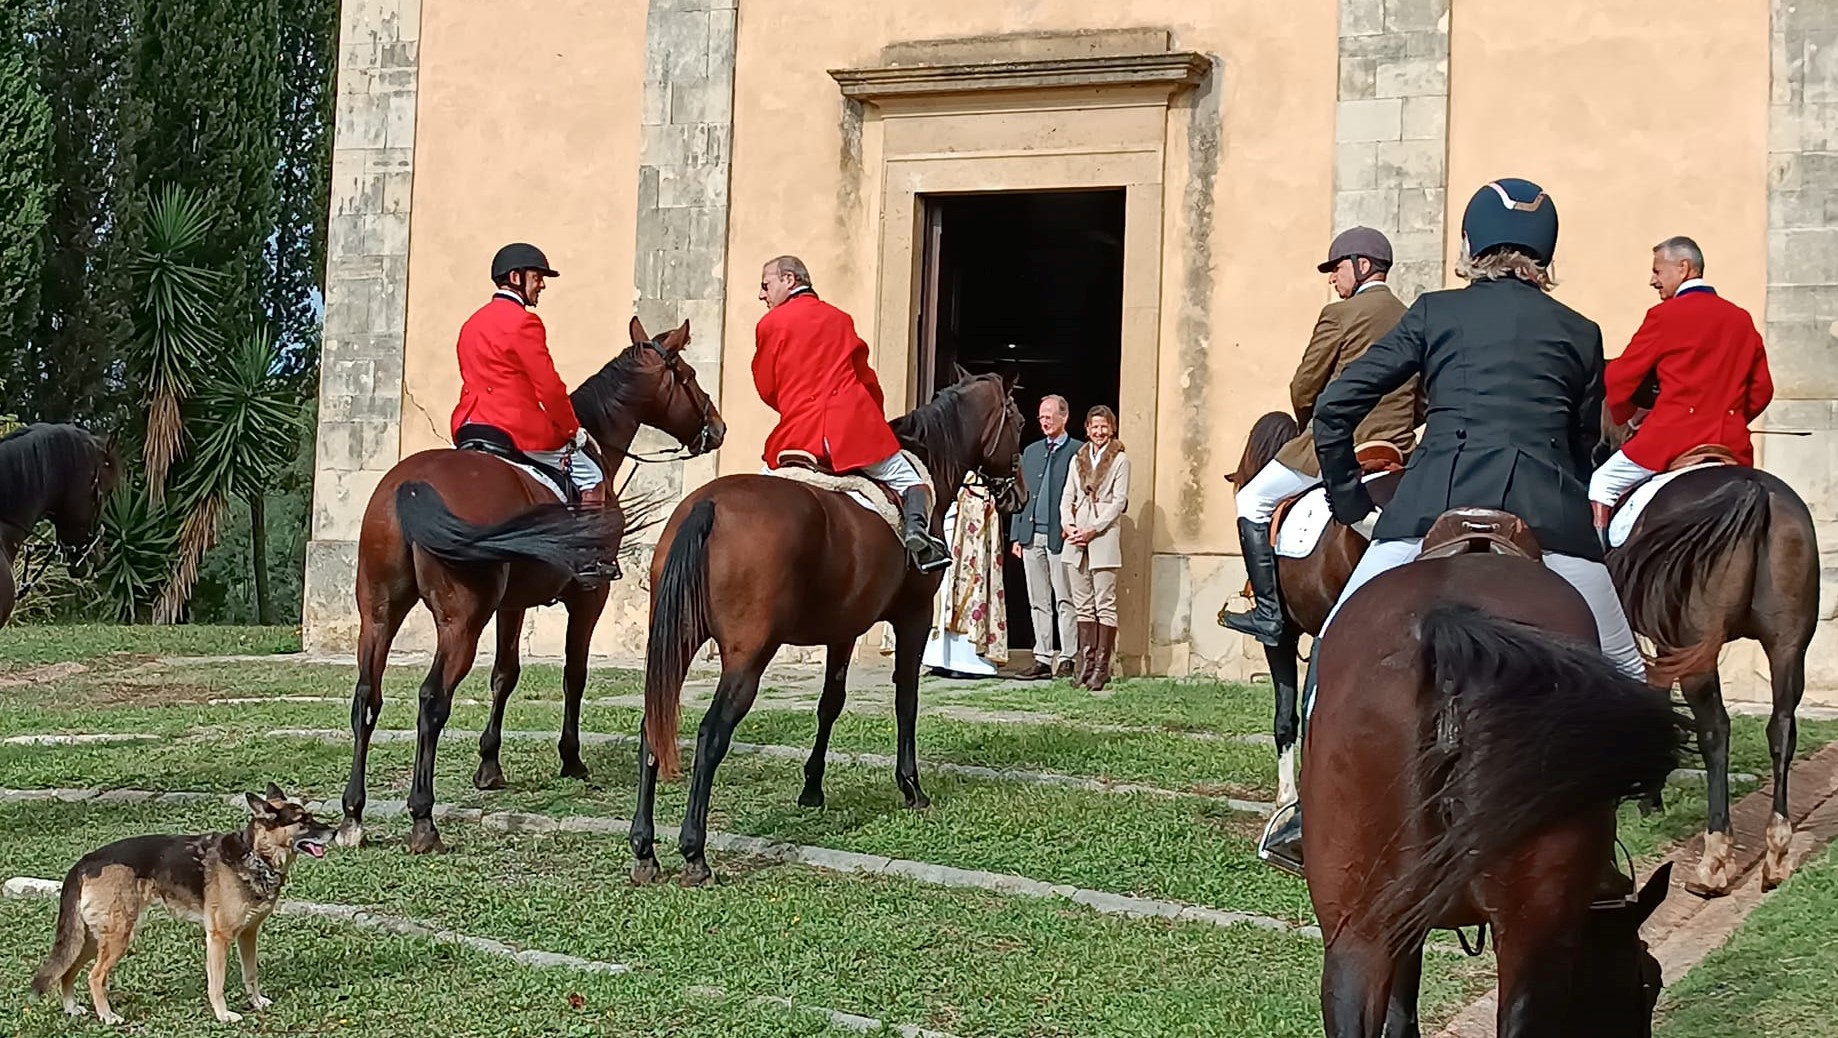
x=1356, y=265
x=812, y=368
x=508, y=382
x=1514, y=386
x=1707, y=356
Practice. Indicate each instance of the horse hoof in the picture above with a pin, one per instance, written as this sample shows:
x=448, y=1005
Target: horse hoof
x=811, y=797
x=1774, y=867
x=645, y=873
x=350, y=834
x=489, y=776
x=576, y=770
x=696, y=874
x=918, y=802
x=424, y=839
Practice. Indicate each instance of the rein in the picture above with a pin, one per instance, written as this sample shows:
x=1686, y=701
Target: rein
x=681, y=452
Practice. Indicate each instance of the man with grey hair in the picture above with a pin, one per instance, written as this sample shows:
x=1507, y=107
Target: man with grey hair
x=1038, y=539
x=1700, y=359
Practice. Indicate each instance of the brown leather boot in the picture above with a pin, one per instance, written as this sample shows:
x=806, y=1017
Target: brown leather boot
x=1088, y=647
x=1100, y=666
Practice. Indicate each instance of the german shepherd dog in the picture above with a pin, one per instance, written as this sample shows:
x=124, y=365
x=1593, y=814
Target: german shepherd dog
x=229, y=882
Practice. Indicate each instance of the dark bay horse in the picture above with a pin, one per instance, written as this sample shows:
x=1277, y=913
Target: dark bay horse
x=1467, y=752
x=1309, y=588
x=58, y=472
x=473, y=537
x=756, y=562
x=1721, y=554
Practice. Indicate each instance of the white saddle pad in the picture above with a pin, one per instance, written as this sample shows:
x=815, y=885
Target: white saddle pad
x=1307, y=518
x=1623, y=521
x=864, y=491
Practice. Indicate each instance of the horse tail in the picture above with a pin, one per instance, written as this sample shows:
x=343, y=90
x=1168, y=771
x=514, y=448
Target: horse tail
x=1268, y=435
x=551, y=533
x=680, y=609
x=1538, y=731
x=1679, y=558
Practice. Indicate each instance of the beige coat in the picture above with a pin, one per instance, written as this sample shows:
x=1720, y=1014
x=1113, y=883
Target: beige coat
x=1344, y=332
x=1097, y=508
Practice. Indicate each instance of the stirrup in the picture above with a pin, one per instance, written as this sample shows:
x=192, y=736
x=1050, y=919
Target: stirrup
x=1284, y=854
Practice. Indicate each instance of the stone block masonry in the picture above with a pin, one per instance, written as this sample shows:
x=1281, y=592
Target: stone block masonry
x=366, y=300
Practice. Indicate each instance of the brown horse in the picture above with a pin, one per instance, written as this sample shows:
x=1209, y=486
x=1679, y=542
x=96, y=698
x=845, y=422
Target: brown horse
x=1720, y=554
x=1309, y=587
x=506, y=547
x=58, y=472
x=756, y=562
x=1467, y=751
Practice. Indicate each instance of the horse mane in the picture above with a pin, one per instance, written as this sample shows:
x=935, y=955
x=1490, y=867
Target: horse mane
x=32, y=461
x=1676, y=576
x=1268, y=435
x=612, y=390
x=935, y=431
x=1549, y=730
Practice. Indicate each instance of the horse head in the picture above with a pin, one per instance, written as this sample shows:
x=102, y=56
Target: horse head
x=996, y=416
x=650, y=383
x=1617, y=979
x=77, y=513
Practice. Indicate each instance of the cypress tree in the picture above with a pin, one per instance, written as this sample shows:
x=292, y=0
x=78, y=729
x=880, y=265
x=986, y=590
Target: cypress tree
x=25, y=171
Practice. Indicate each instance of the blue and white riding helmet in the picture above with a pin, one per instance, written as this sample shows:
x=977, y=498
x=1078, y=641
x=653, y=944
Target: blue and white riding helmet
x=1510, y=211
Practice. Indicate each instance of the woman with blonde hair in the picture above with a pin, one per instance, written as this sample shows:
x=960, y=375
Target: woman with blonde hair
x=1096, y=496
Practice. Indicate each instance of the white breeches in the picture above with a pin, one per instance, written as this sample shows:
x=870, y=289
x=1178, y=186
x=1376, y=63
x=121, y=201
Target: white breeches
x=894, y=471
x=1617, y=476
x=1273, y=484
x=576, y=463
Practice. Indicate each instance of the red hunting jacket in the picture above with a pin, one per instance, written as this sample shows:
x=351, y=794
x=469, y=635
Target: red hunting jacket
x=508, y=380
x=1713, y=379
x=811, y=367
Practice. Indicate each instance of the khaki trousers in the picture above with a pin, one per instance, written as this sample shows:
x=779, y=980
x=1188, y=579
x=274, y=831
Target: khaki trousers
x=1094, y=594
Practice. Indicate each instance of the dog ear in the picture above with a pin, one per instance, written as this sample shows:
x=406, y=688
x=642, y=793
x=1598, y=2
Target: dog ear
x=275, y=796
x=261, y=808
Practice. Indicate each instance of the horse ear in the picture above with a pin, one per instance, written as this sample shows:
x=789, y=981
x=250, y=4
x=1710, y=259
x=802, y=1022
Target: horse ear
x=1009, y=380
x=638, y=332
x=677, y=338
x=1654, y=893
x=958, y=372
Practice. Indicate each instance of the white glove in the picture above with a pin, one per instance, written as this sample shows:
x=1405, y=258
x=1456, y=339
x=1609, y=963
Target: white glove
x=580, y=437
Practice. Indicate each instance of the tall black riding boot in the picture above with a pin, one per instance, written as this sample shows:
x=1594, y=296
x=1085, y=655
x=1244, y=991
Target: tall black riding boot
x=1281, y=845
x=928, y=552
x=1265, y=620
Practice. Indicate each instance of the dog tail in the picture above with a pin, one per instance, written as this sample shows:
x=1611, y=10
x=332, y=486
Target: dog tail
x=68, y=946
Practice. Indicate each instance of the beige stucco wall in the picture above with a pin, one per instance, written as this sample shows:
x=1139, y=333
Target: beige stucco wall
x=1643, y=120
x=527, y=131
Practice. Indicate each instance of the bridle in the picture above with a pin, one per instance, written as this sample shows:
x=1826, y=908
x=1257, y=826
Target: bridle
x=1002, y=487
x=705, y=437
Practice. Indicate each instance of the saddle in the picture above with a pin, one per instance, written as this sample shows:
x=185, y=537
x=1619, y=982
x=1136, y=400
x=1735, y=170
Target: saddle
x=797, y=459
x=489, y=439
x=1702, y=454
x=1481, y=531
x=1381, y=465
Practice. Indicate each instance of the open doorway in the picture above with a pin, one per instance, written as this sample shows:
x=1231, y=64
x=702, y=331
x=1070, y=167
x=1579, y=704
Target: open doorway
x=1031, y=283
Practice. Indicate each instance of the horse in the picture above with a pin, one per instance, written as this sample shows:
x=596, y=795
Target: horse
x=1720, y=554
x=1308, y=589
x=757, y=561
x=509, y=548
x=59, y=472
x=1467, y=752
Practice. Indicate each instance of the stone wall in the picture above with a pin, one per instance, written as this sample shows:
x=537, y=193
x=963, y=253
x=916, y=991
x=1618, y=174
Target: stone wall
x=366, y=301
x=1392, y=131
x=1802, y=306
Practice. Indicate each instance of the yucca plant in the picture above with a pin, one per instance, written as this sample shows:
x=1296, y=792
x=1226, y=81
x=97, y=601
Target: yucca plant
x=175, y=322
x=242, y=424
x=138, y=543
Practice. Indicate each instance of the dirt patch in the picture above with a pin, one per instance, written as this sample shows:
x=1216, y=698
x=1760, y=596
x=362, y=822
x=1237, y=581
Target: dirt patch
x=43, y=675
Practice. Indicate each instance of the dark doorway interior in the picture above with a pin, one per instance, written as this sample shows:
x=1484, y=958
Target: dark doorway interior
x=1031, y=283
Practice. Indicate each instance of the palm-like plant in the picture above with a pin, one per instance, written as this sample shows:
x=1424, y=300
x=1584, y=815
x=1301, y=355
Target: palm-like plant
x=176, y=331
x=242, y=421
x=138, y=541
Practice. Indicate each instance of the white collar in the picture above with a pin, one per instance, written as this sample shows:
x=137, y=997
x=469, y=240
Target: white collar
x=505, y=293
x=1369, y=284
x=1689, y=283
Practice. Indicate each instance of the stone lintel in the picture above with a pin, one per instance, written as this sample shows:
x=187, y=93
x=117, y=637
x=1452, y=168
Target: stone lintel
x=1174, y=70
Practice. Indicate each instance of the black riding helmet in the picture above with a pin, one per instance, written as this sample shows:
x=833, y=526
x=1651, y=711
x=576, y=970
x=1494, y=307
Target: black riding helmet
x=520, y=256
x=1510, y=211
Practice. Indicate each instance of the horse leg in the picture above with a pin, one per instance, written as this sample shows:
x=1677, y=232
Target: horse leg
x=835, y=690
x=583, y=614
x=504, y=671
x=1787, y=673
x=1282, y=660
x=733, y=698
x=909, y=647
x=643, y=835
x=454, y=652
x=1704, y=693
x=1356, y=979
x=376, y=631
x=1406, y=985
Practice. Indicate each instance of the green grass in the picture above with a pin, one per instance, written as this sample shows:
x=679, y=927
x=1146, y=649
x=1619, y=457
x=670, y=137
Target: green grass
x=1774, y=977
x=29, y=645
x=966, y=962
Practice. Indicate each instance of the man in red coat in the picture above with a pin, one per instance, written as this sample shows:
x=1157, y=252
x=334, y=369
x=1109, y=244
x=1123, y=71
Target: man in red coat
x=811, y=367
x=508, y=380
x=1712, y=372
